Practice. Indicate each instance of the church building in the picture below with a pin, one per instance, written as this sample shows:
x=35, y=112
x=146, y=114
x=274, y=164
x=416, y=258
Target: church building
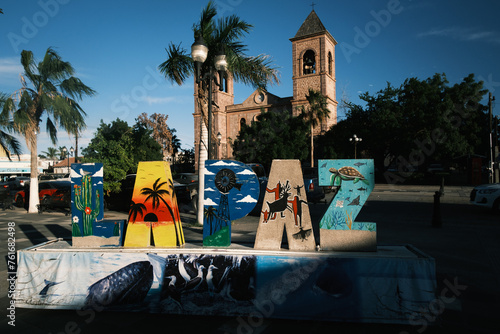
x=313, y=60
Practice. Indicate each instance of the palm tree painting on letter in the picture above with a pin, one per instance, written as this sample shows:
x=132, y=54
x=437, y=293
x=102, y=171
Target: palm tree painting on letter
x=135, y=209
x=49, y=94
x=156, y=195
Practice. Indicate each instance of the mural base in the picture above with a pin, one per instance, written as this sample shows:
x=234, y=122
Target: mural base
x=387, y=286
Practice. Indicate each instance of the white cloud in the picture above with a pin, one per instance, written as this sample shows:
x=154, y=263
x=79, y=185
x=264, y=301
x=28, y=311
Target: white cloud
x=209, y=189
x=160, y=100
x=10, y=69
x=207, y=172
x=463, y=34
x=208, y=201
x=246, y=172
x=247, y=199
x=222, y=163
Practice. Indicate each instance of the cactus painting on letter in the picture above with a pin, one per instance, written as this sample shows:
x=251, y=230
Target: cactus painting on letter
x=86, y=197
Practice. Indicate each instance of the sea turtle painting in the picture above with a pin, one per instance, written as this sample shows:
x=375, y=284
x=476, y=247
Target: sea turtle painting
x=346, y=173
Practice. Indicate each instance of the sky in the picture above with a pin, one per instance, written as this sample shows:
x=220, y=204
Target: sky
x=116, y=47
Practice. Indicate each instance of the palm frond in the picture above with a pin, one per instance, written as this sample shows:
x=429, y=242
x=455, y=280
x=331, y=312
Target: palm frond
x=53, y=68
x=29, y=64
x=178, y=66
x=255, y=71
x=75, y=88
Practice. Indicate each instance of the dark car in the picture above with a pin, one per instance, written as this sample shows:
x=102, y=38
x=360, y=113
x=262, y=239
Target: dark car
x=18, y=182
x=121, y=201
x=314, y=191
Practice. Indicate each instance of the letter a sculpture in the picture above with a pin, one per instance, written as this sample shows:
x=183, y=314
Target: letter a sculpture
x=285, y=207
x=154, y=210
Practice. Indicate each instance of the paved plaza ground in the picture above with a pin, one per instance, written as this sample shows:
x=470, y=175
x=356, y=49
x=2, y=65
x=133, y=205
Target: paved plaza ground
x=466, y=250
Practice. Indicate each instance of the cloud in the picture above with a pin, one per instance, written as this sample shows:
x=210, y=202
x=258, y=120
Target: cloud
x=463, y=34
x=207, y=172
x=222, y=163
x=246, y=172
x=208, y=201
x=10, y=68
x=160, y=100
x=209, y=189
x=247, y=199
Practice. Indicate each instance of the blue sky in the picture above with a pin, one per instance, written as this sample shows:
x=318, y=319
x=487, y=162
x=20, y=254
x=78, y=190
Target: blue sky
x=116, y=47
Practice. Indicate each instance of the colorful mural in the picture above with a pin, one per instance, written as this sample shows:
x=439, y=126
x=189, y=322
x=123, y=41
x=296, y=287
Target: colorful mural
x=88, y=227
x=153, y=209
x=285, y=207
x=231, y=192
x=315, y=286
x=352, y=182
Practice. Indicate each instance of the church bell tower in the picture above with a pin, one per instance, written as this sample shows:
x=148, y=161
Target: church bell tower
x=313, y=52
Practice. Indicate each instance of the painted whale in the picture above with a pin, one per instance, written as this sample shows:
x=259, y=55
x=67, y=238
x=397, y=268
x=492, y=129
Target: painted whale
x=128, y=285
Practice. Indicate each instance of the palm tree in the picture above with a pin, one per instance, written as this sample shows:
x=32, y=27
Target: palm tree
x=135, y=209
x=156, y=194
x=314, y=114
x=51, y=153
x=210, y=214
x=52, y=98
x=8, y=143
x=224, y=34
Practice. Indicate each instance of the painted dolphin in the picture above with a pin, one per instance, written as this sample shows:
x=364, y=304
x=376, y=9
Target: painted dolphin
x=128, y=285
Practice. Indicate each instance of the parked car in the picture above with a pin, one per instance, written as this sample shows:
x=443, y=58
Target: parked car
x=18, y=182
x=314, y=191
x=121, y=201
x=486, y=195
x=60, y=200
x=45, y=189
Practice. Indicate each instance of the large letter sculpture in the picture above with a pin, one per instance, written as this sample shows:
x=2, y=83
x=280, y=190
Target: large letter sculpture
x=353, y=182
x=285, y=206
x=88, y=227
x=231, y=192
x=154, y=208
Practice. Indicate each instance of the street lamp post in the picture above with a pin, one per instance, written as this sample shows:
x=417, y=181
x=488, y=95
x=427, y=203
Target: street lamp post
x=219, y=138
x=355, y=139
x=199, y=54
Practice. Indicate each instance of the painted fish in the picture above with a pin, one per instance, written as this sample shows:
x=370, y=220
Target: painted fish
x=128, y=285
x=359, y=164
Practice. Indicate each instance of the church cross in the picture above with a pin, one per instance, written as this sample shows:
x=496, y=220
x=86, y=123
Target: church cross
x=312, y=5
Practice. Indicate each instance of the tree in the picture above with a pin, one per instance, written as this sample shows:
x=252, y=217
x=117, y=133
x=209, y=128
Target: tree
x=416, y=124
x=50, y=154
x=8, y=143
x=120, y=148
x=224, y=34
x=314, y=113
x=275, y=135
x=49, y=93
x=161, y=132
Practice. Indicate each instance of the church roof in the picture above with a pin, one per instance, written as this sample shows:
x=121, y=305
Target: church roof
x=312, y=26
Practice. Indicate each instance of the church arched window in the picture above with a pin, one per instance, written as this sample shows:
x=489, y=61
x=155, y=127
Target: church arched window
x=330, y=63
x=243, y=122
x=309, y=62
